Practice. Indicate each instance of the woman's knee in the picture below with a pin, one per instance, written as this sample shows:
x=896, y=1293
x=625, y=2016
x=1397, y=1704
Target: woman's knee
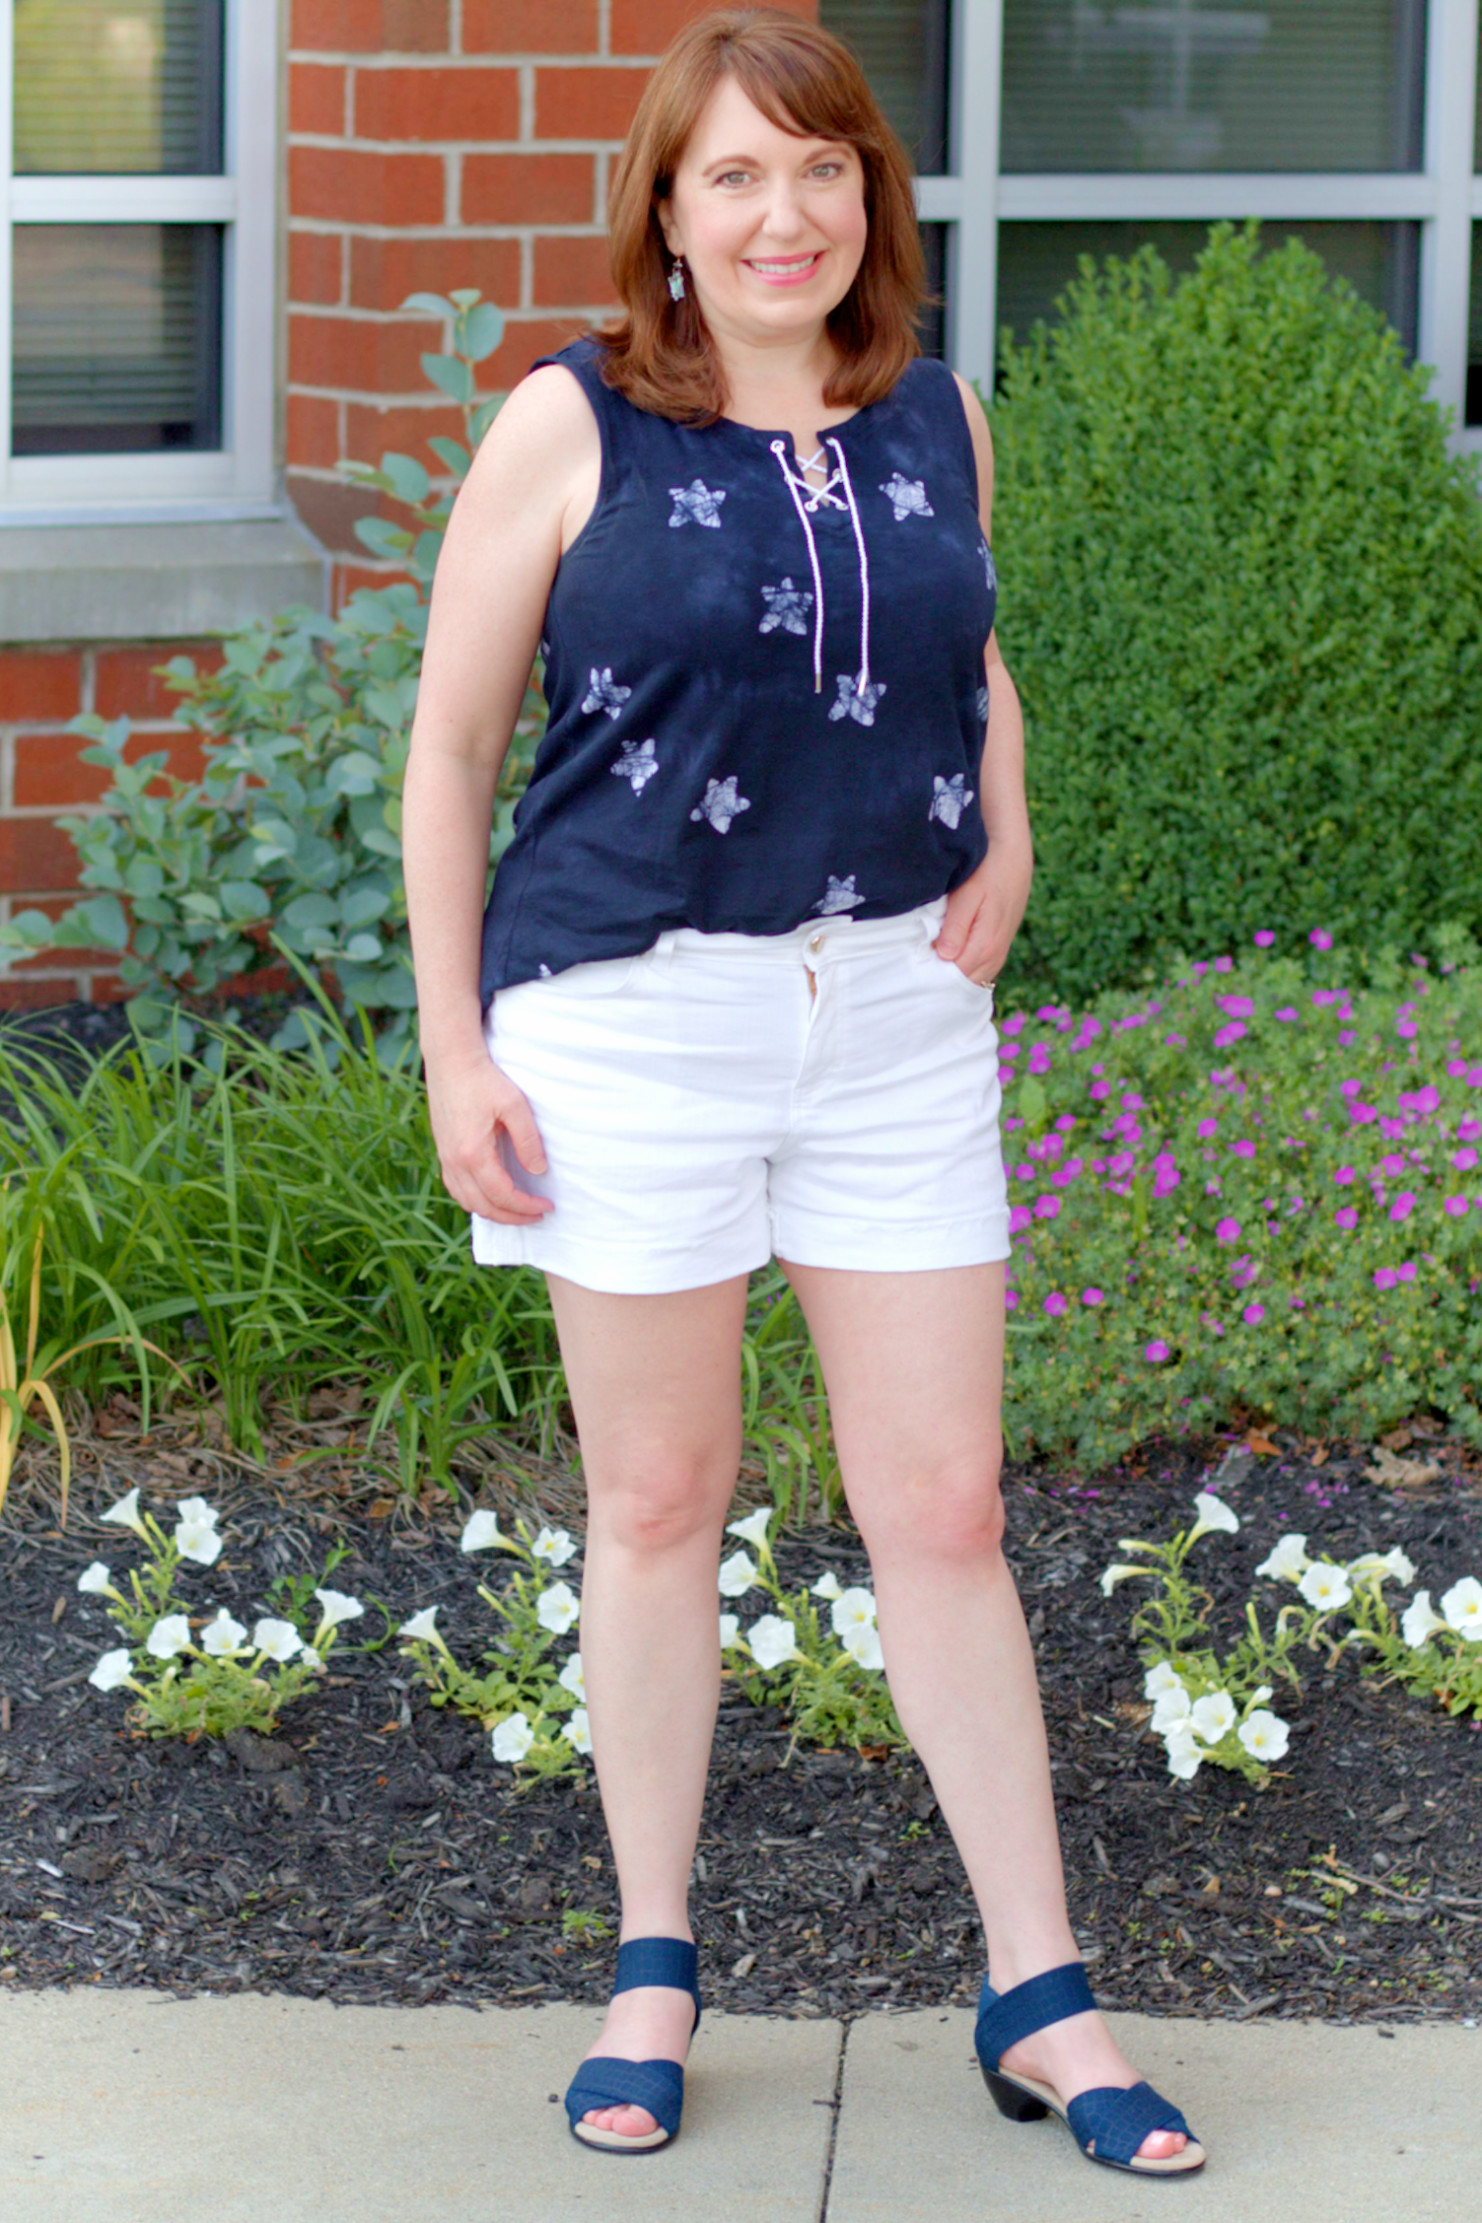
x=952, y=1511
x=662, y=1506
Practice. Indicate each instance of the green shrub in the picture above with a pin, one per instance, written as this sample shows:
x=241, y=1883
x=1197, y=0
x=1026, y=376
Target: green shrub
x=1242, y=599
x=294, y=827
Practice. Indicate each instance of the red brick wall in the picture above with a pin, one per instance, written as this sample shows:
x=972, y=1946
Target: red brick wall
x=40, y=774
x=435, y=144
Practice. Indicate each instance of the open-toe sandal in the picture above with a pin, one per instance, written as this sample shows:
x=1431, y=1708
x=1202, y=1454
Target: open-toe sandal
x=1110, y=2122
x=658, y=2086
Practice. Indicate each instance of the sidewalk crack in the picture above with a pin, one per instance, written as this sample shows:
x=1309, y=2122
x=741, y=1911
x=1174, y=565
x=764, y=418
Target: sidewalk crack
x=834, y=2106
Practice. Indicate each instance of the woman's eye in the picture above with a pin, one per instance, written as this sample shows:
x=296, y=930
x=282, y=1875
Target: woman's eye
x=733, y=177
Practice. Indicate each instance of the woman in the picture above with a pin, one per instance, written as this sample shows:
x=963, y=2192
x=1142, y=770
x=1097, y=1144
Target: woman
x=735, y=992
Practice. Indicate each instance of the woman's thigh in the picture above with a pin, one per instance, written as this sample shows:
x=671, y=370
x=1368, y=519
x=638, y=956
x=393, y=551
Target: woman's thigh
x=655, y=1383
x=914, y=1368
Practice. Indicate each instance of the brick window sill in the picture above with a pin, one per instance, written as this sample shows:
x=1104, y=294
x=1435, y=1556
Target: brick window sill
x=154, y=582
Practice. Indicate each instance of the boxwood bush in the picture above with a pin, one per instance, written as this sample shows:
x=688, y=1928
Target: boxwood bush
x=1242, y=599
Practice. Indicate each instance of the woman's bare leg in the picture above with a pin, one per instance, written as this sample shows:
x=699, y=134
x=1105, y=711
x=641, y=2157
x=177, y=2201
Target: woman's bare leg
x=914, y=1365
x=655, y=1383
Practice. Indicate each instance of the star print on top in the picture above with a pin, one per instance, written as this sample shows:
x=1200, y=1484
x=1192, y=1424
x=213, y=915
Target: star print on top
x=839, y=896
x=721, y=803
x=907, y=497
x=602, y=695
x=787, y=606
x=637, y=764
x=817, y=661
x=983, y=702
x=857, y=698
x=696, y=502
x=950, y=799
x=990, y=569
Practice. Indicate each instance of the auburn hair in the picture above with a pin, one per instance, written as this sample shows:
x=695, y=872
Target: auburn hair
x=807, y=82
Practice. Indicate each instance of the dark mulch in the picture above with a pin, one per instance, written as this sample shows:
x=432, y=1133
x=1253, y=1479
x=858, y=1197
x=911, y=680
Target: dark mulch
x=390, y=1860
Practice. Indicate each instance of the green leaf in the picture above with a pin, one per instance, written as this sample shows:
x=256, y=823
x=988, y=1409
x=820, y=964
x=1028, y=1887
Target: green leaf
x=453, y=378
x=1030, y=1100
x=407, y=477
x=355, y=773
x=452, y=453
x=308, y=912
x=245, y=899
x=382, y=537
x=142, y=876
x=482, y=331
x=106, y=921
x=427, y=304
x=363, y=949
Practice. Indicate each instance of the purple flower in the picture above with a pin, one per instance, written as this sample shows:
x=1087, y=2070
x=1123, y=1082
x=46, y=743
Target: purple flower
x=1408, y=1271
x=1347, y=1216
x=1392, y=1129
x=1010, y=1299
x=1224, y=964
x=1264, y=938
x=1346, y=1038
x=1343, y=1175
x=1092, y=1296
x=1287, y=1011
x=1175, y=1041
x=1244, y=1148
x=1469, y=1130
x=1212, y=1188
x=1403, y=1205
x=1406, y=1027
x=1455, y=1205
x=1100, y=1088
x=1464, y=1160
x=1054, y=1302
x=1206, y=1128
x=1019, y=1218
x=1155, y=1352
x=1385, y=1277
x=1320, y=938
x=1254, y=1313
x=1228, y=1231
x=1392, y=1163
x=1046, y=1207
x=1224, y=1036
x=1039, y=1058
x=1236, y=1007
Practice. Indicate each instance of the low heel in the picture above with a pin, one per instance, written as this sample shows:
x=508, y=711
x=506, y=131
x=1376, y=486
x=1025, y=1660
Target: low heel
x=1020, y=2107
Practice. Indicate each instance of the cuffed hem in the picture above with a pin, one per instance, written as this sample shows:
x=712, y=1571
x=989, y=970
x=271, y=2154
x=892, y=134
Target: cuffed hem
x=614, y=1269
x=868, y=1246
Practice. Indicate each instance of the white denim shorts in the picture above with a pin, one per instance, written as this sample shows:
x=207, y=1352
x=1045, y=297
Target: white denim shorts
x=829, y=1096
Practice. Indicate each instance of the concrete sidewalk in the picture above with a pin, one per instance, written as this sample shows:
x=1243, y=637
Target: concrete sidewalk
x=134, y=2107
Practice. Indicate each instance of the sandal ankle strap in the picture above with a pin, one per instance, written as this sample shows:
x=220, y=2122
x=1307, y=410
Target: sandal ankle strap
x=1006, y=2017
x=673, y=1961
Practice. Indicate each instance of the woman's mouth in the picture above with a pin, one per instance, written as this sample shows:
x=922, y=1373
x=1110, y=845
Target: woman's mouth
x=785, y=270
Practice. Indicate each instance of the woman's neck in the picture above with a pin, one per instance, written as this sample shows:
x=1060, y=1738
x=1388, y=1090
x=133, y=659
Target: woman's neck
x=780, y=382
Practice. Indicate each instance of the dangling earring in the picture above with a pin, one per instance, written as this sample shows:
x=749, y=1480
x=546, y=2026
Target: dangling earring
x=676, y=279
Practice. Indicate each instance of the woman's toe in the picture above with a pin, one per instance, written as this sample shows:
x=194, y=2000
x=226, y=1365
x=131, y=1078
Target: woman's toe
x=628, y=2122
x=1161, y=2145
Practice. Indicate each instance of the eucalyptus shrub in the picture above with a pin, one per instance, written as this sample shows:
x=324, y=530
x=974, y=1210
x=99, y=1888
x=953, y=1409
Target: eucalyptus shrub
x=291, y=838
x=1242, y=600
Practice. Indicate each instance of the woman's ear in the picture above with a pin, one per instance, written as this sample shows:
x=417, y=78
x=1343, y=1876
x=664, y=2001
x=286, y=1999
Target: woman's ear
x=664, y=211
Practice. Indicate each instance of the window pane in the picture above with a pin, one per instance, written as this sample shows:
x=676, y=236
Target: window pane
x=116, y=338
x=1037, y=261
x=132, y=86
x=1474, y=334
x=1268, y=85
x=903, y=45
x=933, y=317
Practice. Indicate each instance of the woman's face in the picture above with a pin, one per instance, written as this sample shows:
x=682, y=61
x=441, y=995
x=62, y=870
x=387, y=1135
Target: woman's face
x=771, y=226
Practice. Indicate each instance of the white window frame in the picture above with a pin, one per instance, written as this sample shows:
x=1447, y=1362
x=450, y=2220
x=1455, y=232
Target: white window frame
x=236, y=479
x=1443, y=197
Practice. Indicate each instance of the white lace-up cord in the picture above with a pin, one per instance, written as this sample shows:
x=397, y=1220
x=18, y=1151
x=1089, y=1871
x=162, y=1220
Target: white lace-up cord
x=864, y=574
x=779, y=449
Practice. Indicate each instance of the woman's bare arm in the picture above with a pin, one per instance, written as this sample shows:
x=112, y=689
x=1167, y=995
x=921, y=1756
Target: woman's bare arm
x=530, y=488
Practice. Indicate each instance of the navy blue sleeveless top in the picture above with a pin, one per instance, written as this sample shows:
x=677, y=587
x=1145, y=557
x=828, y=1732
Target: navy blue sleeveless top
x=767, y=701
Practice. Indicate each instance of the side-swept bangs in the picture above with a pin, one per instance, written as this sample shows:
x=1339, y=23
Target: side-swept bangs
x=806, y=81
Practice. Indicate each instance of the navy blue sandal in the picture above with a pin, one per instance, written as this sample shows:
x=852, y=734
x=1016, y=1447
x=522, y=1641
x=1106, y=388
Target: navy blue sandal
x=1108, y=2123
x=607, y=2081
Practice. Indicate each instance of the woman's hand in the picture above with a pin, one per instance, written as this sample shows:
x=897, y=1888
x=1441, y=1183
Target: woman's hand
x=984, y=913
x=470, y=1103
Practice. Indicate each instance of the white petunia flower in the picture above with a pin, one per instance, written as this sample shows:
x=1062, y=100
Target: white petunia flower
x=730, y=1630
x=422, y=1627
x=1287, y=1560
x=1164, y=1676
x=1462, y=1606
x=1213, y=1716
x=1265, y=1736
x=1170, y=1708
x=827, y=1586
x=862, y=1643
x=279, y=1639
x=112, y=1669
x=571, y=1677
x=1259, y=1697
x=752, y=1528
x=852, y=1609
x=481, y=1532
x=222, y=1635
x=557, y=1608
x=555, y=1545
x=1184, y=1755
x=311, y=1657
x=1325, y=1586
x=511, y=1738
x=196, y=1509
x=737, y=1574
x=1213, y=1514
x=1118, y=1571
x=773, y=1640
x=336, y=1606
x=578, y=1730
x=170, y=1634
x=96, y=1581
x=126, y=1515
x=1420, y=1621
x=198, y=1540
x=1393, y=1565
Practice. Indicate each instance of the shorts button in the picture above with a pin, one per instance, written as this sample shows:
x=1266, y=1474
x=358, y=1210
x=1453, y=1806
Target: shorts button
x=817, y=942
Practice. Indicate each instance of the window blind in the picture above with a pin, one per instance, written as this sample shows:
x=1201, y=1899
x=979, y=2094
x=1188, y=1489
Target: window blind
x=116, y=338
x=1263, y=85
x=131, y=86
x=903, y=45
